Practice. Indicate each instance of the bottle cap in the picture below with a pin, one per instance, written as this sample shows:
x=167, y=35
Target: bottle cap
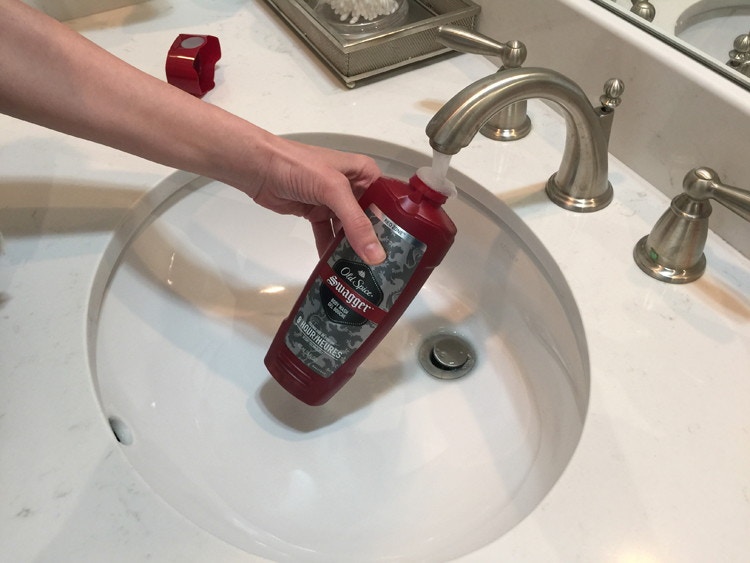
x=191, y=61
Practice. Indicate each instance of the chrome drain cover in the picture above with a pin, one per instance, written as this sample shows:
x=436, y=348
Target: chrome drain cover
x=447, y=356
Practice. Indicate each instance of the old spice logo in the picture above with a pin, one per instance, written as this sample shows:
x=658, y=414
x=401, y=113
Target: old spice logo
x=350, y=294
x=349, y=297
x=357, y=280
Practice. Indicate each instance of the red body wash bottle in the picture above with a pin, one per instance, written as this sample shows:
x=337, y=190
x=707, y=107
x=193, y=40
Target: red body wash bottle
x=347, y=307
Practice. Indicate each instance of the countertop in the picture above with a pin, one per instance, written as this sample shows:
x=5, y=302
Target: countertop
x=662, y=471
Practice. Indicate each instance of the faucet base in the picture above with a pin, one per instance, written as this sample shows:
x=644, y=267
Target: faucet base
x=578, y=204
x=646, y=258
x=502, y=133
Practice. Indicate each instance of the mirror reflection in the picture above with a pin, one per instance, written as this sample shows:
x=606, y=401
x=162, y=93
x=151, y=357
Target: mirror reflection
x=715, y=32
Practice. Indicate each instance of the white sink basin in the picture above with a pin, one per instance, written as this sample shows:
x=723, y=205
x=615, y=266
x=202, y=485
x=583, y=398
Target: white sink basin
x=398, y=465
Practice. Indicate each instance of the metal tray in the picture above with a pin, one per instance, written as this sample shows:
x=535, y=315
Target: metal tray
x=354, y=58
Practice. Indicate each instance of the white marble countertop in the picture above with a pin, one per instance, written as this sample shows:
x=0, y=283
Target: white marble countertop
x=662, y=472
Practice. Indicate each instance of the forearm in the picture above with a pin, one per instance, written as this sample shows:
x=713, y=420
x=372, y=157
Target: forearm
x=56, y=78
x=84, y=91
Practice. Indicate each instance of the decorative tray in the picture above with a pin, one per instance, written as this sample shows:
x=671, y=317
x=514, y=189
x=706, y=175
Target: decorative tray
x=354, y=55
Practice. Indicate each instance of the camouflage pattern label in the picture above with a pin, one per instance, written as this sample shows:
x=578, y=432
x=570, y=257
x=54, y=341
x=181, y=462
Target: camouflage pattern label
x=349, y=299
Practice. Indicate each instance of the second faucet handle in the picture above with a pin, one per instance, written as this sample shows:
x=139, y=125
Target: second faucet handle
x=510, y=123
x=512, y=53
x=673, y=251
x=703, y=183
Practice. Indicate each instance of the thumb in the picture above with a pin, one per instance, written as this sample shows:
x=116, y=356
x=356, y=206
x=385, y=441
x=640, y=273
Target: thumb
x=359, y=230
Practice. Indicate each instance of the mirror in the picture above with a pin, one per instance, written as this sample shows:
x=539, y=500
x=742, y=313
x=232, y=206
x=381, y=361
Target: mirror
x=709, y=31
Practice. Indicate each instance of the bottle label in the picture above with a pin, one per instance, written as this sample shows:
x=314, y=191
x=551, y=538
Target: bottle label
x=349, y=299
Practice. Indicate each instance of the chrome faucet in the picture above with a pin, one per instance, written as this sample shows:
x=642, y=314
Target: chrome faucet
x=581, y=183
x=673, y=251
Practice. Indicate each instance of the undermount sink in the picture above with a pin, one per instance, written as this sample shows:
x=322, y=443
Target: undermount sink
x=399, y=465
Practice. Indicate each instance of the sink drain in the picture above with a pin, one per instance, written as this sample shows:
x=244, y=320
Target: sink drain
x=447, y=356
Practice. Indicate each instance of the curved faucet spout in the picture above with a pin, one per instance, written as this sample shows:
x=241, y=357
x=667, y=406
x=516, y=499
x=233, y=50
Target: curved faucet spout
x=581, y=182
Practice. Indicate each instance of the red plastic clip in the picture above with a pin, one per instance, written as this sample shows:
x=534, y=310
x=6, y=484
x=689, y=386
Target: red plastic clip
x=191, y=61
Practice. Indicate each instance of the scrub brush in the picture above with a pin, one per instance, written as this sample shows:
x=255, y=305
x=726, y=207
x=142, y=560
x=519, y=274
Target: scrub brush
x=353, y=10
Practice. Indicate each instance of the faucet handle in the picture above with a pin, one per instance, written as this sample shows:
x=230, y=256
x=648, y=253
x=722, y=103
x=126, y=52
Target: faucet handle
x=512, y=53
x=673, y=251
x=511, y=122
x=703, y=183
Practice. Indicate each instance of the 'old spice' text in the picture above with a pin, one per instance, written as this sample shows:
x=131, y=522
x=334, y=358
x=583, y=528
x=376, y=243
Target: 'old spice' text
x=351, y=298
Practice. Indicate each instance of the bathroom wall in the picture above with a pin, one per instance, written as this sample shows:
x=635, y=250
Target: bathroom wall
x=675, y=115
x=68, y=9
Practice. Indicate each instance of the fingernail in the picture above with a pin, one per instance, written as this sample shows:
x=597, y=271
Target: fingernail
x=374, y=253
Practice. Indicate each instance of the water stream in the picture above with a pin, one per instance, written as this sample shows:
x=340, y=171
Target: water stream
x=435, y=176
x=440, y=164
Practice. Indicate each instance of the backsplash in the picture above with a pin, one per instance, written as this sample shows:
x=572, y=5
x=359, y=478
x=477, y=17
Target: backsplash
x=675, y=115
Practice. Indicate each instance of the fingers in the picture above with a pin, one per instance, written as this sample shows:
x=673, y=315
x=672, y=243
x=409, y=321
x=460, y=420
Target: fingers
x=340, y=209
x=313, y=182
x=355, y=223
x=359, y=230
x=340, y=196
x=363, y=172
x=360, y=170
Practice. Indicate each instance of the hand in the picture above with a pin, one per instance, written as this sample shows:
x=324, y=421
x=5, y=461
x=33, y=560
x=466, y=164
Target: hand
x=321, y=185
